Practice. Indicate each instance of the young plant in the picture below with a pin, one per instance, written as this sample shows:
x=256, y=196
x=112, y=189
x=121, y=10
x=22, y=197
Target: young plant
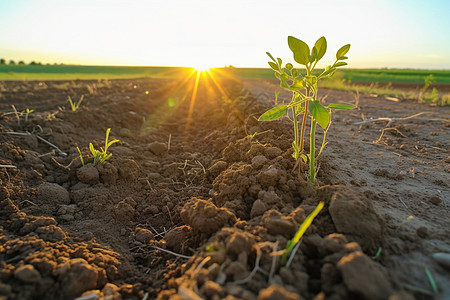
x=27, y=113
x=100, y=156
x=81, y=156
x=301, y=230
x=75, y=106
x=304, y=88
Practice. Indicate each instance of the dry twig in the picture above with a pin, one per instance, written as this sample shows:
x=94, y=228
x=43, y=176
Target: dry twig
x=390, y=120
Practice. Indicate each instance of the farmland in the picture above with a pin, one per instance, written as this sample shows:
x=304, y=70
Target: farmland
x=73, y=72
x=198, y=197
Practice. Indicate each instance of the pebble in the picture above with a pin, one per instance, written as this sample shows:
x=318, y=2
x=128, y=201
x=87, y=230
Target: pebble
x=422, y=232
x=443, y=259
x=157, y=148
x=258, y=208
x=258, y=161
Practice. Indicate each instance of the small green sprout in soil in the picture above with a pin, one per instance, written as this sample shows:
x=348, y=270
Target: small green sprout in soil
x=432, y=282
x=100, y=156
x=81, y=156
x=24, y=113
x=75, y=106
x=303, y=87
x=27, y=112
x=301, y=230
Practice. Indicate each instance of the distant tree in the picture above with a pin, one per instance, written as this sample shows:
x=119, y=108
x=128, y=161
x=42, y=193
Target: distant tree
x=2, y=61
x=33, y=63
x=11, y=62
x=21, y=62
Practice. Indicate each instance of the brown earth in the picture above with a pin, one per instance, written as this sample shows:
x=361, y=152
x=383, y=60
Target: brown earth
x=189, y=206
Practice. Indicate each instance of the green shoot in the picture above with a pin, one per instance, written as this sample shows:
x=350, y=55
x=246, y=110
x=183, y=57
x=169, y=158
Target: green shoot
x=81, y=156
x=252, y=135
x=100, y=156
x=75, y=106
x=304, y=95
x=432, y=282
x=301, y=230
x=27, y=113
x=377, y=254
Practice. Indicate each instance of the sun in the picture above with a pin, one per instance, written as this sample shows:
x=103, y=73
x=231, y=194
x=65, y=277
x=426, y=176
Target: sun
x=202, y=67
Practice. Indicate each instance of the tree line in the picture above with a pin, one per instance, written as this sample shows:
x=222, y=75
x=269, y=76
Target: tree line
x=20, y=62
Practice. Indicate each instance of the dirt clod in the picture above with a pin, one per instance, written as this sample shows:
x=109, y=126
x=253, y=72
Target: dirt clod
x=88, y=174
x=365, y=226
x=276, y=292
x=157, y=148
x=205, y=217
x=53, y=193
x=27, y=273
x=363, y=277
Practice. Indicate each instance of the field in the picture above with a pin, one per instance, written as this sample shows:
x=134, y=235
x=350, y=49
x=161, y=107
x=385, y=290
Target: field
x=400, y=83
x=199, y=198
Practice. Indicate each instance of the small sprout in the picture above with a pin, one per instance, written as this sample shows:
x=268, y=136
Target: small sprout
x=377, y=254
x=432, y=282
x=100, y=156
x=252, y=135
x=301, y=230
x=27, y=113
x=75, y=106
x=81, y=156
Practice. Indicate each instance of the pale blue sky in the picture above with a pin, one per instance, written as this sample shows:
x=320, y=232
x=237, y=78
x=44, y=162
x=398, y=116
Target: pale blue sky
x=210, y=33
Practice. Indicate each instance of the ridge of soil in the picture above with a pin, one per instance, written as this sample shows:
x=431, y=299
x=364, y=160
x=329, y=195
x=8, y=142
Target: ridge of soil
x=190, y=206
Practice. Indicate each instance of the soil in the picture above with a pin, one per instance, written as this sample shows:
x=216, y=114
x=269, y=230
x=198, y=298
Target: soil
x=191, y=206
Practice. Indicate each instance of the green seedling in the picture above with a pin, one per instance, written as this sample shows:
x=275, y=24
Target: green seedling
x=27, y=113
x=100, y=156
x=304, y=88
x=377, y=254
x=81, y=156
x=252, y=135
x=75, y=106
x=301, y=230
x=432, y=282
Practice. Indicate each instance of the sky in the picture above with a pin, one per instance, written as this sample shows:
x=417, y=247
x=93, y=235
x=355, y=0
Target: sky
x=217, y=33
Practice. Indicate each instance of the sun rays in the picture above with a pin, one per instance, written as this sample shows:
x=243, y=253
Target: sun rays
x=190, y=89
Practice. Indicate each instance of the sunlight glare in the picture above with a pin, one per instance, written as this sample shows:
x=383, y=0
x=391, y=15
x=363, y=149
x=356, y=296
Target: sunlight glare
x=202, y=67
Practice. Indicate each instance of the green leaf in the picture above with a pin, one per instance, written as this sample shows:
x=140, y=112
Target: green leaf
x=274, y=113
x=340, y=106
x=342, y=51
x=300, y=50
x=283, y=80
x=304, y=157
x=321, y=46
x=294, y=73
x=279, y=61
x=320, y=113
x=298, y=84
x=271, y=57
x=289, y=66
x=274, y=66
x=327, y=71
x=340, y=64
x=343, y=57
x=313, y=55
x=311, y=79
